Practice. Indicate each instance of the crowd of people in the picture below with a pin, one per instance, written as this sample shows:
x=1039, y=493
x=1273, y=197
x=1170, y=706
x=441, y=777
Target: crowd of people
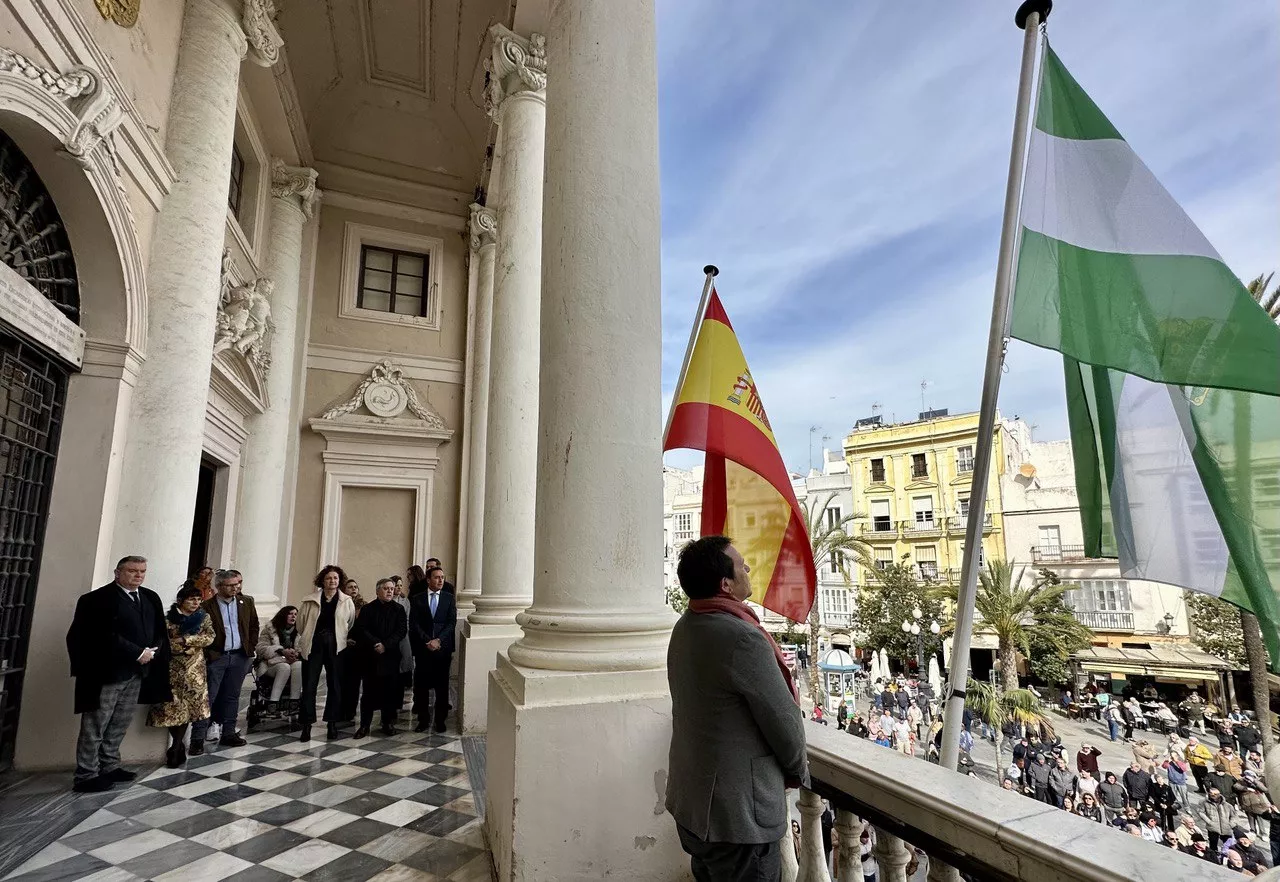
x=1236, y=825
x=189, y=664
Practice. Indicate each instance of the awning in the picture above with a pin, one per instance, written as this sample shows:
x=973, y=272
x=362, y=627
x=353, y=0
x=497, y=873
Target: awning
x=1173, y=662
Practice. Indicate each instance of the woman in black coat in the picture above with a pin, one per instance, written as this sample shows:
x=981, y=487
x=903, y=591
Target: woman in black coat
x=379, y=629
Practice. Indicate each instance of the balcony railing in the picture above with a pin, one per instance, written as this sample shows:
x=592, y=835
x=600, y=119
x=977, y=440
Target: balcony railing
x=873, y=530
x=956, y=525
x=1105, y=620
x=1057, y=553
x=917, y=810
x=914, y=529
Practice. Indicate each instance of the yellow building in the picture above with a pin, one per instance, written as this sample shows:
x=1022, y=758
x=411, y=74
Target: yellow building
x=911, y=484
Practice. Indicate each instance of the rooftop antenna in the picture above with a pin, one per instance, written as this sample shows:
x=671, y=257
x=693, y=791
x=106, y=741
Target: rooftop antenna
x=876, y=408
x=923, y=385
x=812, y=429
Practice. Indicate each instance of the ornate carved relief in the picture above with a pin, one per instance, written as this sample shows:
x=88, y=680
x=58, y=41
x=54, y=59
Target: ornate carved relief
x=290, y=180
x=484, y=226
x=259, y=26
x=122, y=12
x=386, y=394
x=244, y=318
x=96, y=108
x=517, y=65
x=74, y=83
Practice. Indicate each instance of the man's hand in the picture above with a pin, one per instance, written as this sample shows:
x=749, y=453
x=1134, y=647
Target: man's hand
x=433, y=645
x=350, y=643
x=379, y=648
x=147, y=655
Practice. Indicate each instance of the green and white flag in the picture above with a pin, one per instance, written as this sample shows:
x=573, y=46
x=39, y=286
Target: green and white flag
x=1172, y=371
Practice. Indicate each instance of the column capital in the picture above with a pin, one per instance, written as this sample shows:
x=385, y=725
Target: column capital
x=288, y=181
x=517, y=65
x=258, y=21
x=483, y=227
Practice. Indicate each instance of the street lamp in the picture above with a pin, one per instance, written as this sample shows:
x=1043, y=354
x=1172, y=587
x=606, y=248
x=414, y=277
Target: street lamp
x=915, y=629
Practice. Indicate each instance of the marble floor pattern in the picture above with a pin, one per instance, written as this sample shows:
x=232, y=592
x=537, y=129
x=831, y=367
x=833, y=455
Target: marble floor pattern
x=399, y=809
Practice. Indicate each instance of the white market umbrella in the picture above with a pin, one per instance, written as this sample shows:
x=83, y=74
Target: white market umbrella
x=935, y=676
x=884, y=664
x=876, y=673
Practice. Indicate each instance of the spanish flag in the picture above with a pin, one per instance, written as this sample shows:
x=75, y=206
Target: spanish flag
x=746, y=490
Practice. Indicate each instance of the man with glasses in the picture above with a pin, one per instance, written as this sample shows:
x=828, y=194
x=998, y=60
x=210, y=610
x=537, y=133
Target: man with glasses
x=235, y=628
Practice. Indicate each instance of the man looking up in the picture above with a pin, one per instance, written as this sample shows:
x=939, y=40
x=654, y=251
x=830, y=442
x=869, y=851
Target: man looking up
x=737, y=734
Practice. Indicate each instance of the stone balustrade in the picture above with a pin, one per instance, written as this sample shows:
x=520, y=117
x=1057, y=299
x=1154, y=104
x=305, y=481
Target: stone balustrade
x=945, y=820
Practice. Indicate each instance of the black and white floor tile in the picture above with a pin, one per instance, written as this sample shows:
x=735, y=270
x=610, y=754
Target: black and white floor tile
x=398, y=809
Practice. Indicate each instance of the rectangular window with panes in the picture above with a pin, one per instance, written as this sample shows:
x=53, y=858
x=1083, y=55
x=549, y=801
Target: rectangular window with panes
x=883, y=557
x=235, y=191
x=881, y=522
x=833, y=517
x=683, y=526
x=877, y=471
x=1101, y=595
x=922, y=506
x=919, y=466
x=964, y=459
x=927, y=558
x=392, y=281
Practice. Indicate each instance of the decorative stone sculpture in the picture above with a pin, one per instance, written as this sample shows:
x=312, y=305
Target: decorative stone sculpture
x=517, y=65
x=121, y=12
x=95, y=106
x=386, y=394
x=72, y=84
x=292, y=180
x=484, y=226
x=244, y=318
x=259, y=26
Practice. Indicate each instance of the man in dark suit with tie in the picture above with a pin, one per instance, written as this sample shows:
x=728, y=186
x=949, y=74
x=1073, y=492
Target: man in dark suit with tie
x=433, y=618
x=119, y=652
x=227, y=660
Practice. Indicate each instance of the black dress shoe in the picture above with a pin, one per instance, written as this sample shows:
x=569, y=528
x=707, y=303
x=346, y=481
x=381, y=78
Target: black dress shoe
x=362, y=732
x=388, y=729
x=334, y=734
x=119, y=776
x=232, y=740
x=100, y=784
x=421, y=727
x=196, y=748
x=171, y=757
x=306, y=733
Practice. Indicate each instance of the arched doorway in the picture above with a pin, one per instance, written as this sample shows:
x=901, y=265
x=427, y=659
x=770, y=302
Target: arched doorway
x=33, y=389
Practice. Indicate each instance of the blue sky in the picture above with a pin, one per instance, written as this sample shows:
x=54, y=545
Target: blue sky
x=844, y=166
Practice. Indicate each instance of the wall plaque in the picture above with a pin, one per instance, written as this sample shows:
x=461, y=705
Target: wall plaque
x=22, y=306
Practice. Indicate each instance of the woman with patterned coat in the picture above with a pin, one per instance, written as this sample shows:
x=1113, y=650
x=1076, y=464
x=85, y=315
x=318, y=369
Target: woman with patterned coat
x=190, y=632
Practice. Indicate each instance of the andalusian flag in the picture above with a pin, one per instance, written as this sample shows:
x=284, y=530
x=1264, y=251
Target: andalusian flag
x=746, y=490
x=1172, y=371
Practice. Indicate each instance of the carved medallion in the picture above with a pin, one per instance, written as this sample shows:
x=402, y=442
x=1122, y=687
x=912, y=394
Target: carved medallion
x=122, y=12
x=385, y=399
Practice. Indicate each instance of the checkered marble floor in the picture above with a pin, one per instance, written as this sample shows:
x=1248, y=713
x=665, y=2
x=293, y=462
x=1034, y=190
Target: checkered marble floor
x=396, y=809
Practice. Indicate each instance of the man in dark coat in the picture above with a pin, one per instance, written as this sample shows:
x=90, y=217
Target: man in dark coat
x=379, y=628
x=227, y=660
x=1138, y=784
x=448, y=586
x=119, y=651
x=433, y=618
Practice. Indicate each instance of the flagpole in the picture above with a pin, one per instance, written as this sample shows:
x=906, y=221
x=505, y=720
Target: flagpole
x=1028, y=17
x=711, y=271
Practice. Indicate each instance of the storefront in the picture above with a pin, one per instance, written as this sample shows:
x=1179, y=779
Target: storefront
x=1169, y=672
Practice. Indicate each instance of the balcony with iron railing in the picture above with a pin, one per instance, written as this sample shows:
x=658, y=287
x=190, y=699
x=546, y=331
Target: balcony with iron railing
x=957, y=524
x=878, y=528
x=1105, y=620
x=951, y=822
x=921, y=528
x=1057, y=553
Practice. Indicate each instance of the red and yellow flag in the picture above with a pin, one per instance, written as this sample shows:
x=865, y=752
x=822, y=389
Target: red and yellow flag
x=746, y=491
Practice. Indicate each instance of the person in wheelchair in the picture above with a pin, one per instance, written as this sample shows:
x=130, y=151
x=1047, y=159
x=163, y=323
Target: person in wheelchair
x=277, y=659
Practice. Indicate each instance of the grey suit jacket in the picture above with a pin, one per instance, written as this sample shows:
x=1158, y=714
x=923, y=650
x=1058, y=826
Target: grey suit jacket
x=737, y=732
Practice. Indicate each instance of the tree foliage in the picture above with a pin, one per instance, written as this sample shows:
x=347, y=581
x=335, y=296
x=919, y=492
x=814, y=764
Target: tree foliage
x=887, y=599
x=827, y=541
x=996, y=706
x=677, y=599
x=1215, y=628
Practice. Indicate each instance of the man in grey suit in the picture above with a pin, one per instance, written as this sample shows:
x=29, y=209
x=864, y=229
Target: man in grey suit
x=737, y=732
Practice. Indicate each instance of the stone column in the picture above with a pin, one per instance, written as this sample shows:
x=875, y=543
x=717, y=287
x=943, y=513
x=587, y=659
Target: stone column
x=162, y=458
x=813, y=860
x=586, y=684
x=484, y=244
x=264, y=454
x=518, y=80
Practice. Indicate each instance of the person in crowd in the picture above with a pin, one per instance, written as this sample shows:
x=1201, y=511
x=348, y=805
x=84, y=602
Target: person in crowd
x=795, y=838
x=1255, y=803
x=1193, y=707
x=1068, y=804
x=379, y=628
x=1086, y=784
x=204, y=582
x=737, y=729
x=903, y=699
x=1226, y=782
x=1038, y=778
x=448, y=586
x=887, y=702
x=903, y=739
x=119, y=650
x=858, y=726
x=406, y=650
x=235, y=640
x=1132, y=715
x=1248, y=849
x=1061, y=782
x=190, y=633
x=1138, y=784
x=1176, y=770
x=1217, y=817
x=1022, y=750
x=1087, y=759
x=915, y=717
x=1144, y=754
x=417, y=578
x=1200, y=759
x=433, y=619
x=324, y=621
x=1170, y=840
x=1114, y=717
x=842, y=714
x=350, y=667
x=1113, y=796
x=1129, y=818
x=1253, y=762
x=866, y=845
x=1229, y=760
x=278, y=656
x=1089, y=808
x=1164, y=801
x=1151, y=829
x=818, y=716
x=1186, y=829
x=1199, y=848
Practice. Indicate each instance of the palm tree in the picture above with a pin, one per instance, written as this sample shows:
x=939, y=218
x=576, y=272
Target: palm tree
x=1268, y=300
x=1016, y=613
x=995, y=707
x=827, y=540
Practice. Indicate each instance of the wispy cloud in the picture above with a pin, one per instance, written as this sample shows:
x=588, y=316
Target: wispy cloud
x=844, y=166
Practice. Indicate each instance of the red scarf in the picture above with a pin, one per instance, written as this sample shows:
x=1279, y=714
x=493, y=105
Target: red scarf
x=726, y=604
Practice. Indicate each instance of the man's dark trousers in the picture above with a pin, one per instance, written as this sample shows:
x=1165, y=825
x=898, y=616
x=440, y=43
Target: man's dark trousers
x=731, y=862
x=431, y=675
x=226, y=675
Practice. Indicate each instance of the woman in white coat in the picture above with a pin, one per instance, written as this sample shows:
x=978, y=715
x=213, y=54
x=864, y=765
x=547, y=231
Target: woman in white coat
x=324, y=618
